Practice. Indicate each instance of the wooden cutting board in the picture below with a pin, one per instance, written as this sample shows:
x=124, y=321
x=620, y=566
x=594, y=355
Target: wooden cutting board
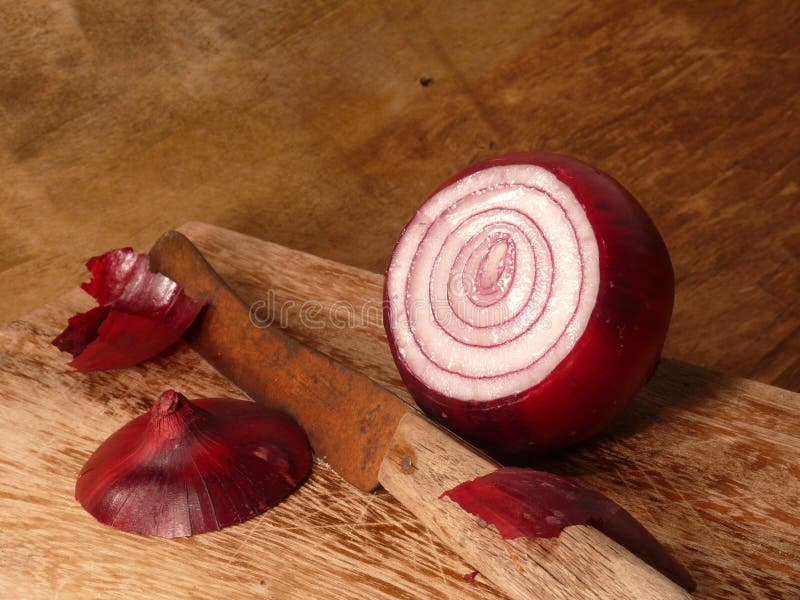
x=710, y=463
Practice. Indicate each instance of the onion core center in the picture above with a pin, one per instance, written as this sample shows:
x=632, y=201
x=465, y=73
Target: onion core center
x=498, y=260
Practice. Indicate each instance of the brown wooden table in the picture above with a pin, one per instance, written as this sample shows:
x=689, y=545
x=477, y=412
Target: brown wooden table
x=323, y=125
x=708, y=462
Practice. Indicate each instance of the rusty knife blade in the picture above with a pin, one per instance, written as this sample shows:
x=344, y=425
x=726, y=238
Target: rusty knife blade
x=349, y=418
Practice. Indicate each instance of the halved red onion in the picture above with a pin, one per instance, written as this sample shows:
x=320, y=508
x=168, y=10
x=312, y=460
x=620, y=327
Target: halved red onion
x=141, y=313
x=527, y=302
x=536, y=504
x=185, y=468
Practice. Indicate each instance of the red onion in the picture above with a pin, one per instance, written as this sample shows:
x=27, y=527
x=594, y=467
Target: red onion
x=535, y=504
x=527, y=302
x=140, y=314
x=189, y=467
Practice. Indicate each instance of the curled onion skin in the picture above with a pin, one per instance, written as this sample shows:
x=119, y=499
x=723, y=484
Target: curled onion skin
x=140, y=314
x=189, y=467
x=623, y=282
x=535, y=504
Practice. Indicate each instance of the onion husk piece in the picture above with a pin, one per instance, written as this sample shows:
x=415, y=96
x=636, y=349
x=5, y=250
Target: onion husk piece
x=188, y=467
x=522, y=502
x=140, y=314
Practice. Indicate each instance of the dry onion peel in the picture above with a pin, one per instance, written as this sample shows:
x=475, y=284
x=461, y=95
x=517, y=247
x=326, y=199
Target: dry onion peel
x=140, y=314
x=535, y=504
x=185, y=468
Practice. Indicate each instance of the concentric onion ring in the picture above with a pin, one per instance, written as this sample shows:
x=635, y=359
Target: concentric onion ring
x=486, y=310
x=497, y=281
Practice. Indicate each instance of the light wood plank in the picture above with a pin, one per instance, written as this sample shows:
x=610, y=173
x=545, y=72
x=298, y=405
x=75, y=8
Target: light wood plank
x=709, y=463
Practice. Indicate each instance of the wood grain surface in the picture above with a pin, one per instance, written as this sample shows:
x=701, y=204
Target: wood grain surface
x=424, y=462
x=710, y=463
x=322, y=125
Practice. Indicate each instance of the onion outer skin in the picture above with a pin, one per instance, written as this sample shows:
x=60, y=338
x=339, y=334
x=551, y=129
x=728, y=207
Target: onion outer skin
x=140, y=314
x=522, y=502
x=613, y=358
x=189, y=467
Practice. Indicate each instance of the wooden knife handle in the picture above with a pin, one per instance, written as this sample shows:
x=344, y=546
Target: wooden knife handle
x=423, y=461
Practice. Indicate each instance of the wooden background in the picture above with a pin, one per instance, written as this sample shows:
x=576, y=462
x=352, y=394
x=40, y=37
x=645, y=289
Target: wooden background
x=322, y=125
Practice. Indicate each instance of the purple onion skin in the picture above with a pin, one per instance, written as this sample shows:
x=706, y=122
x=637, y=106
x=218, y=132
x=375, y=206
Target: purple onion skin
x=140, y=314
x=189, y=467
x=618, y=351
x=535, y=504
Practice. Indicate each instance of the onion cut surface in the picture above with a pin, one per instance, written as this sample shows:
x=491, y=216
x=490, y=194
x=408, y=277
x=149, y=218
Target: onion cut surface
x=535, y=504
x=188, y=467
x=141, y=313
x=527, y=301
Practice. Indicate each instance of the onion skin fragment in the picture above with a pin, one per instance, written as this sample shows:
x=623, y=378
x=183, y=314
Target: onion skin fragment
x=188, y=467
x=140, y=314
x=535, y=504
x=612, y=359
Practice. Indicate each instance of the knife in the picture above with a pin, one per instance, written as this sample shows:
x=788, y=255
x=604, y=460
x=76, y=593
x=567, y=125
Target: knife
x=372, y=438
